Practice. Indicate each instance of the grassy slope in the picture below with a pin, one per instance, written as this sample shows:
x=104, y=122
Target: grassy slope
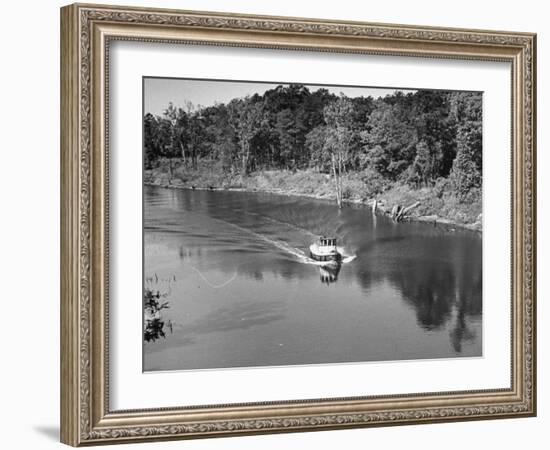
x=434, y=201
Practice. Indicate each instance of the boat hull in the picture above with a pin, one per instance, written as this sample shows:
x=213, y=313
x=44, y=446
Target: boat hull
x=318, y=254
x=326, y=258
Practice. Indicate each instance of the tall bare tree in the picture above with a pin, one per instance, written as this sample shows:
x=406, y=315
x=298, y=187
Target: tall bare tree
x=246, y=118
x=338, y=116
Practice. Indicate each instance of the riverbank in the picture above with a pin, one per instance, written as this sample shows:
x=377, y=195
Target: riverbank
x=432, y=204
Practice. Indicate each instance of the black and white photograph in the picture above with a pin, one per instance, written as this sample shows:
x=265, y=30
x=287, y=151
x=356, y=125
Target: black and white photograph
x=297, y=224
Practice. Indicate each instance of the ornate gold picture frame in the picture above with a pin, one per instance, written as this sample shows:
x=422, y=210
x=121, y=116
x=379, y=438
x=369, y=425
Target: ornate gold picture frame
x=87, y=32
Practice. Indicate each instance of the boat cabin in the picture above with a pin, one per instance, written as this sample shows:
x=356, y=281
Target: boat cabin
x=327, y=242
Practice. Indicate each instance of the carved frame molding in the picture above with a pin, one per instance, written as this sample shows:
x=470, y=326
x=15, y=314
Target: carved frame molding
x=86, y=31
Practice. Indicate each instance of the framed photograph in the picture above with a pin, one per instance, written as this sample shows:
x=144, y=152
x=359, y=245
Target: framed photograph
x=274, y=224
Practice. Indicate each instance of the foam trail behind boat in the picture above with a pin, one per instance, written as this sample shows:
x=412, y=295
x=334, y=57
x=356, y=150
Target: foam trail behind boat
x=300, y=255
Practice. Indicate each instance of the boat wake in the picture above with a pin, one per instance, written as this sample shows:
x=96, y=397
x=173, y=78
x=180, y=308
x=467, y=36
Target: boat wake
x=280, y=222
x=212, y=285
x=297, y=253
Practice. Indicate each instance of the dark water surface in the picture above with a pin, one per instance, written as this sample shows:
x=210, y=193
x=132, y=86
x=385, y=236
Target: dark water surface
x=242, y=293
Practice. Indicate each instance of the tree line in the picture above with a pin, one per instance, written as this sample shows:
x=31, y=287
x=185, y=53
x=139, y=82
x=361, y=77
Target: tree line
x=417, y=138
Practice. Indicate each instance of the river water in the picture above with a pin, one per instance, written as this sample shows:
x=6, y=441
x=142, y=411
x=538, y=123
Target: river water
x=241, y=291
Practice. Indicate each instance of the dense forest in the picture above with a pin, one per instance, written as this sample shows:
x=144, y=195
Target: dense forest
x=423, y=145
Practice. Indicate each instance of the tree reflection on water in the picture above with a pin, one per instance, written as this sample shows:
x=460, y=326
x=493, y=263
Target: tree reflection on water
x=443, y=293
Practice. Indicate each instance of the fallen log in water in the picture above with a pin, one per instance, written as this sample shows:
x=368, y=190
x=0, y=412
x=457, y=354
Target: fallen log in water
x=404, y=211
x=395, y=211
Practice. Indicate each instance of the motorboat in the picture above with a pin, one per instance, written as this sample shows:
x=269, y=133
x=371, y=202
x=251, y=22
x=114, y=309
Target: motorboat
x=325, y=250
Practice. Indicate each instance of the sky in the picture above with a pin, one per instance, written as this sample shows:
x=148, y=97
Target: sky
x=158, y=92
